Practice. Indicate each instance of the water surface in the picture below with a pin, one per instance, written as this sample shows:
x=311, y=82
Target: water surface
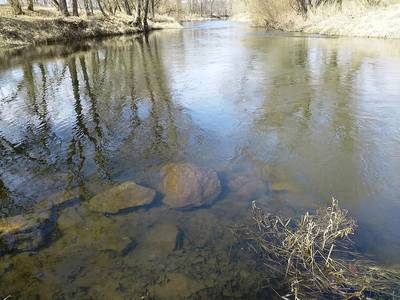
x=302, y=118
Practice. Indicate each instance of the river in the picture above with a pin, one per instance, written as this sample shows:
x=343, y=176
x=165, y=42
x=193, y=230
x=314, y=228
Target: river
x=299, y=118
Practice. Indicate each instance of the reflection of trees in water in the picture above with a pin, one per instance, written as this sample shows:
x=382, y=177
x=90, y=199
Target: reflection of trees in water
x=76, y=154
x=310, y=113
x=162, y=118
x=286, y=111
x=296, y=85
x=97, y=119
x=4, y=196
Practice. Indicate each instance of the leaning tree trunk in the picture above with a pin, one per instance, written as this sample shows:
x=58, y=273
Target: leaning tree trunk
x=55, y=2
x=30, y=5
x=75, y=8
x=16, y=7
x=146, y=12
x=127, y=8
x=64, y=8
x=101, y=8
x=138, y=18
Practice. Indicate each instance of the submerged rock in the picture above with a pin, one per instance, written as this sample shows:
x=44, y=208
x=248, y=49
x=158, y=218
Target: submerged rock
x=187, y=186
x=126, y=195
x=58, y=199
x=246, y=188
x=71, y=216
x=84, y=231
x=177, y=286
x=25, y=232
x=159, y=241
x=283, y=186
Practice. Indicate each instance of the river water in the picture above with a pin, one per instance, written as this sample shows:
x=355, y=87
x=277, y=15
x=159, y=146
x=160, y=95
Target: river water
x=286, y=120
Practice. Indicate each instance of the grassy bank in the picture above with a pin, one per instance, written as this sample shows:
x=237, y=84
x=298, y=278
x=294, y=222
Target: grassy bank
x=353, y=19
x=44, y=26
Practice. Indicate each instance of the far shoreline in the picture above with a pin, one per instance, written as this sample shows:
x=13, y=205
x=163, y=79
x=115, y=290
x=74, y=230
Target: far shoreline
x=45, y=26
x=351, y=21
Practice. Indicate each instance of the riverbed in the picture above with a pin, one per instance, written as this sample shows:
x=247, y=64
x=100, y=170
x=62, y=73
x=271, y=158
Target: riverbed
x=286, y=120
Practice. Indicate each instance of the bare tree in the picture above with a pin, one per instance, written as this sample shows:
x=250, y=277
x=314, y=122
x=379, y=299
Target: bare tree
x=87, y=7
x=127, y=8
x=146, y=12
x=64, y=8
x=101, y=8
x=138, y=18
x=75, y=8
x=30, y=5
x=56, y=3
x=16, y=7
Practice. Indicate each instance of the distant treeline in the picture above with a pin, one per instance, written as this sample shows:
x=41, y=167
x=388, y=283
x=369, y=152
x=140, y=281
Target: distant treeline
x=140, y=8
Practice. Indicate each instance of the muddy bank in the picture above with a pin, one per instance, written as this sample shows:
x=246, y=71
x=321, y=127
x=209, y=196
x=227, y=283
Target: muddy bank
x=45, y=26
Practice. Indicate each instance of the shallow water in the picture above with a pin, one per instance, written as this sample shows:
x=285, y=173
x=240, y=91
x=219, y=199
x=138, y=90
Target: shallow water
x=285, y=119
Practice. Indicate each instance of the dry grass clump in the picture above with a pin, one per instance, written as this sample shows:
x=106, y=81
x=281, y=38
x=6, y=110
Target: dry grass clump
x=273, y=14
x=353, y=19
x=362, y=18
x=315, y=255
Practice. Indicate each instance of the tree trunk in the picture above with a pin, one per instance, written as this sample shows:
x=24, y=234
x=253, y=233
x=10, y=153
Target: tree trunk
x=146, y=12
x=101, y=8
x=16, y=7
x=91, y=6
x=87, y=8
x=64, y=8
x=55, y=2
x=152, y=9
x=127, y=8
x=109, y=7
x=30, y=5
x=138, y=18
x=75, y=8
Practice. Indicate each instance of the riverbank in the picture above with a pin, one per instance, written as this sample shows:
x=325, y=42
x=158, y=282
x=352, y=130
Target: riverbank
x=353, y=20
x=46, y=26
x=374, y=22
x=199, y=18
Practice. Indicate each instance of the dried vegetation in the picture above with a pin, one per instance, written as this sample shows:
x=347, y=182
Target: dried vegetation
x=46, y=25
x=316, y=257
x=362, y=18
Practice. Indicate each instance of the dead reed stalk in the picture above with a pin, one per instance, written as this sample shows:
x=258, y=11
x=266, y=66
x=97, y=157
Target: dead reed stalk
x=316, y=257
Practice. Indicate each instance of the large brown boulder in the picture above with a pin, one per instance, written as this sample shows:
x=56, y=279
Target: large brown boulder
x=188, y=186
x=126, y=195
